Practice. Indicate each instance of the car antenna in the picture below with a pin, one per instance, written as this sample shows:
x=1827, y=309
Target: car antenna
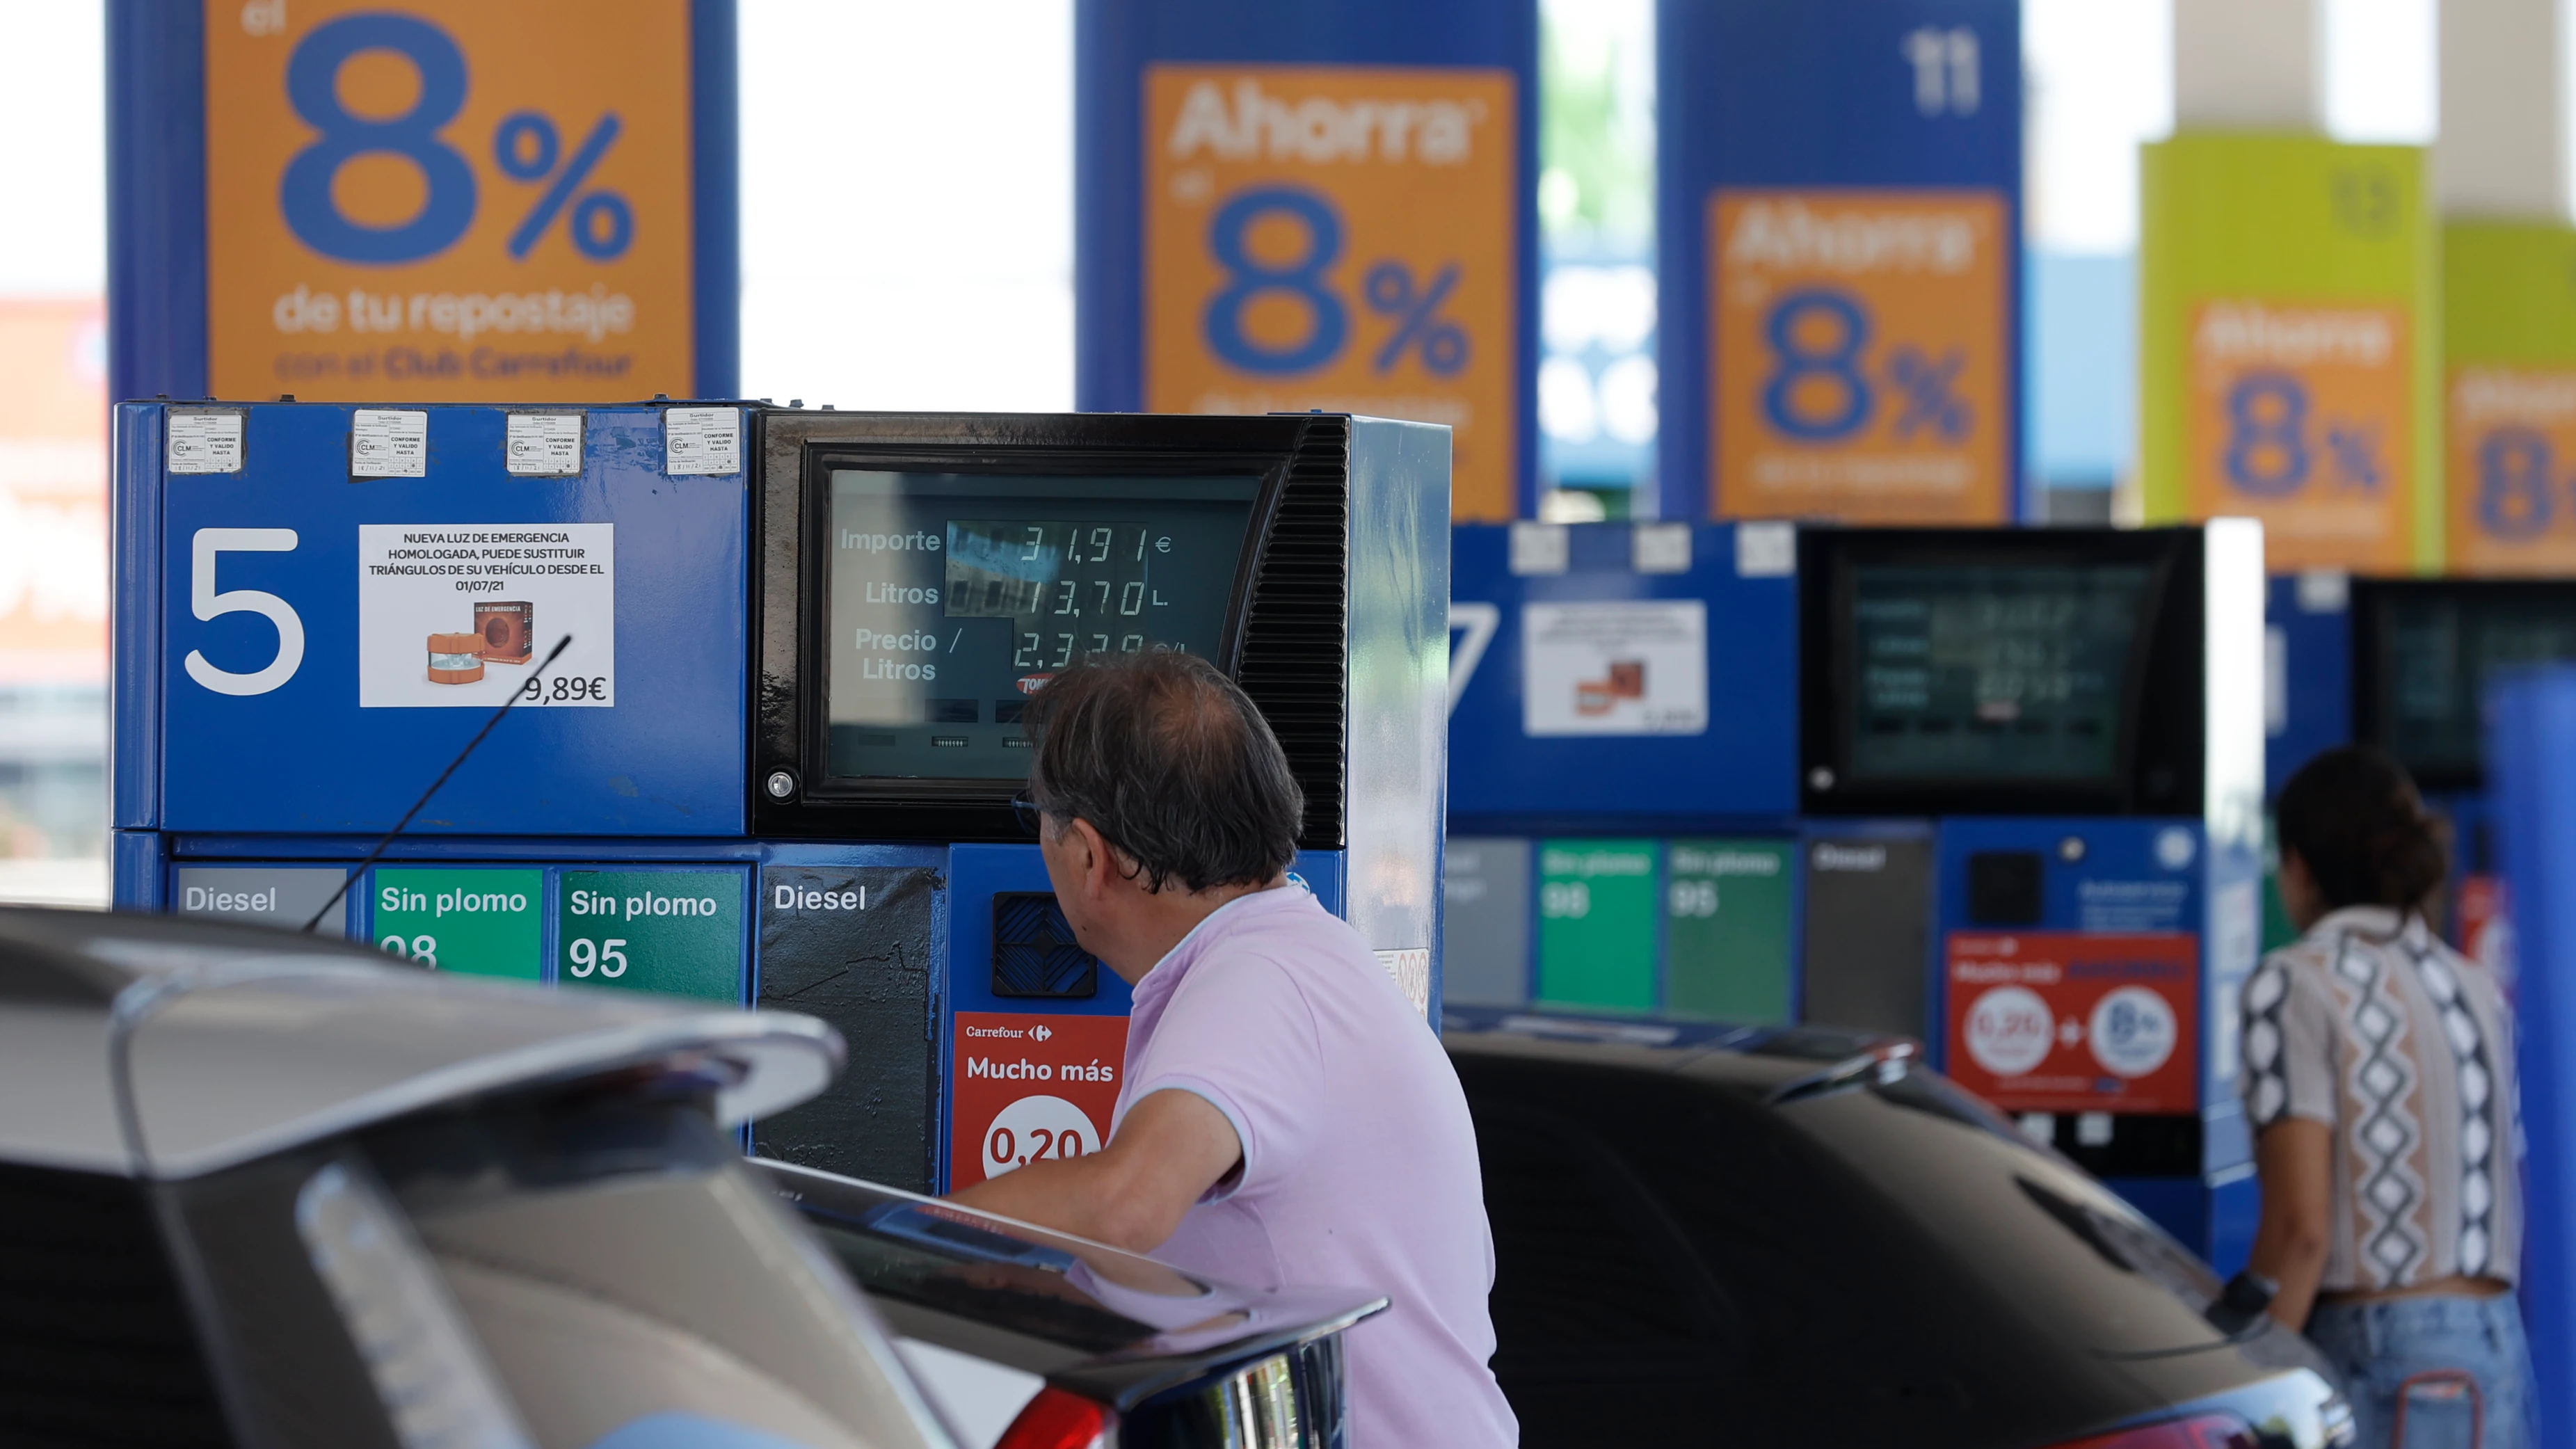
x=370, y=858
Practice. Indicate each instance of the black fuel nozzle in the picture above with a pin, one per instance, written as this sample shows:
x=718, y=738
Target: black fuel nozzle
x=2242, y=1302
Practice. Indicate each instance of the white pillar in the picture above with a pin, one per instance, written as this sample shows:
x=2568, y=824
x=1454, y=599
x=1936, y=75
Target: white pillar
x=2249, y=65
x=2502, y=151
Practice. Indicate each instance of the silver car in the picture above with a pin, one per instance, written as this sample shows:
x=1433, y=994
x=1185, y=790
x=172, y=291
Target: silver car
x=260, y=1190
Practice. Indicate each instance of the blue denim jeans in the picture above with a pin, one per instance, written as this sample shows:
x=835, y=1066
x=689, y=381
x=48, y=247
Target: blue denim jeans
x=2380, y=1347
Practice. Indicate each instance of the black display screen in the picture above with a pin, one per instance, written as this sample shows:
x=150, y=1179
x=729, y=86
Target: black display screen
x=1991, y=672
x=2439, y=646
x=954, y=597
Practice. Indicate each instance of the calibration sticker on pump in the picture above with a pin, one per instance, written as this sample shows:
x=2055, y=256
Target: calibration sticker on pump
x=1338, y=238
x=1027, y=1088
x=461, y=614
x=1615, y=668
x=1859, y=342
x=2512, y=439
x=2300, y=415
x=449, y=203
x=2076, y=1021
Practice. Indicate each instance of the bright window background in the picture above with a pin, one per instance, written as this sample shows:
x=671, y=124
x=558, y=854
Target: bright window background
x=1597, y=414
x=53, y=454
x=907, y=203
x=2099, y=83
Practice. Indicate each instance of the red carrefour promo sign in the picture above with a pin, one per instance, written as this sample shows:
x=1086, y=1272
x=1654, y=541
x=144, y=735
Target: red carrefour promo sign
x=2076, y=1021
x=1028, y=1088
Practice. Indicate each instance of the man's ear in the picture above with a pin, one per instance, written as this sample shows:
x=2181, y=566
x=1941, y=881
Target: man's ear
x=1092, y=856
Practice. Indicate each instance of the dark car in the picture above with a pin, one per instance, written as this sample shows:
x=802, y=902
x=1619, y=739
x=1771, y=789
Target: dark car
x=1753, y=1237
x=1032, y=1340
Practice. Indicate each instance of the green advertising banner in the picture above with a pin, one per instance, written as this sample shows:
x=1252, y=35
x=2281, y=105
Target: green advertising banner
x=472, y=922
x=2509, y=398
x=2289, y=347
x=1726, y=929
x=677, y=932
x=1597, y=920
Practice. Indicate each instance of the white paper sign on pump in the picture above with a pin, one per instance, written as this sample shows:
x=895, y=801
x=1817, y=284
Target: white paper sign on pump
x=1629, y=667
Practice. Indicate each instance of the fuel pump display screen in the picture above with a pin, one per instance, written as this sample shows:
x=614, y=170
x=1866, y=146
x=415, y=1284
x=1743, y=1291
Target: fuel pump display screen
x=954, y=597
x=2005, y=672
x=2438, y=648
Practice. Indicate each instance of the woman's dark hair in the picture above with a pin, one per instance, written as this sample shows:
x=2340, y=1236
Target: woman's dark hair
x=2353, y=815
x=1171, y=763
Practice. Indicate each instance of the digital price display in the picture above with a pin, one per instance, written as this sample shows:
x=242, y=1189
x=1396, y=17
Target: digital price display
x=955, y=597
x=2437, y=649
x=1992, y=672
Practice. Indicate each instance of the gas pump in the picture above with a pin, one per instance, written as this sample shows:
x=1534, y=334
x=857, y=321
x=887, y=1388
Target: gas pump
x=773, y=761
x=2047, y=744
x=2405, y=664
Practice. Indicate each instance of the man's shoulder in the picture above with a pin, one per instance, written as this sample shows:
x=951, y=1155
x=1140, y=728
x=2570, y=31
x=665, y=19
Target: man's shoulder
x=1292, y=944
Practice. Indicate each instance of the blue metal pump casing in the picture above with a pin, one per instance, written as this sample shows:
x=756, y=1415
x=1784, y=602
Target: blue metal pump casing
x=2118, y=877
x=2307, y=670
x=2533, y=787
x=263, y=742
x=1737, y=771
x=1682, y=787
x=2156, y=885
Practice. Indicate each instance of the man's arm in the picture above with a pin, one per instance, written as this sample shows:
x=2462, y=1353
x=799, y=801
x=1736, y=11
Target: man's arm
x=1171, y=1148
x=2294, y=1160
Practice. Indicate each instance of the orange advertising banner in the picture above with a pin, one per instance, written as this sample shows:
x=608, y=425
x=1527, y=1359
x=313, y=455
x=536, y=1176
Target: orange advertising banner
x=2299, y=416
x=1338, y=238
x=53, y=492
x=2512, y=444
x=450, y=201
x=1861, y=340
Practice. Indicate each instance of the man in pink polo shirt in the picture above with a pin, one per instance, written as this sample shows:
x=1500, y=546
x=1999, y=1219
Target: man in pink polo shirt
x=1285, y=1118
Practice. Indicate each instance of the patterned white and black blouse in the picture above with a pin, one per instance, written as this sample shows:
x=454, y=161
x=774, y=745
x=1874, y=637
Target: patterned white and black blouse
x=2404, y=1047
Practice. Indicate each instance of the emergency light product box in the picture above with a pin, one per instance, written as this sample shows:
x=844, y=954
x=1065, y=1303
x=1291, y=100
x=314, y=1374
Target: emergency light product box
x=508, y=630
x=773, y=761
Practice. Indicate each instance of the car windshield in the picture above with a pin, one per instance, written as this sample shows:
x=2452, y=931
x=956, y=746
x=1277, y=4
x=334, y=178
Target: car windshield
x=630, y=1281
x=1873, y=1255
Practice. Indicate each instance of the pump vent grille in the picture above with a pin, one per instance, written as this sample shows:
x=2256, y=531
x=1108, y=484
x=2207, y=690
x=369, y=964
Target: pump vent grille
x=1294, y=633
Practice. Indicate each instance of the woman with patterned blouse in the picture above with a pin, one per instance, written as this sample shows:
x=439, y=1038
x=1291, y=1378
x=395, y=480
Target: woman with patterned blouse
x=2379, y=1080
